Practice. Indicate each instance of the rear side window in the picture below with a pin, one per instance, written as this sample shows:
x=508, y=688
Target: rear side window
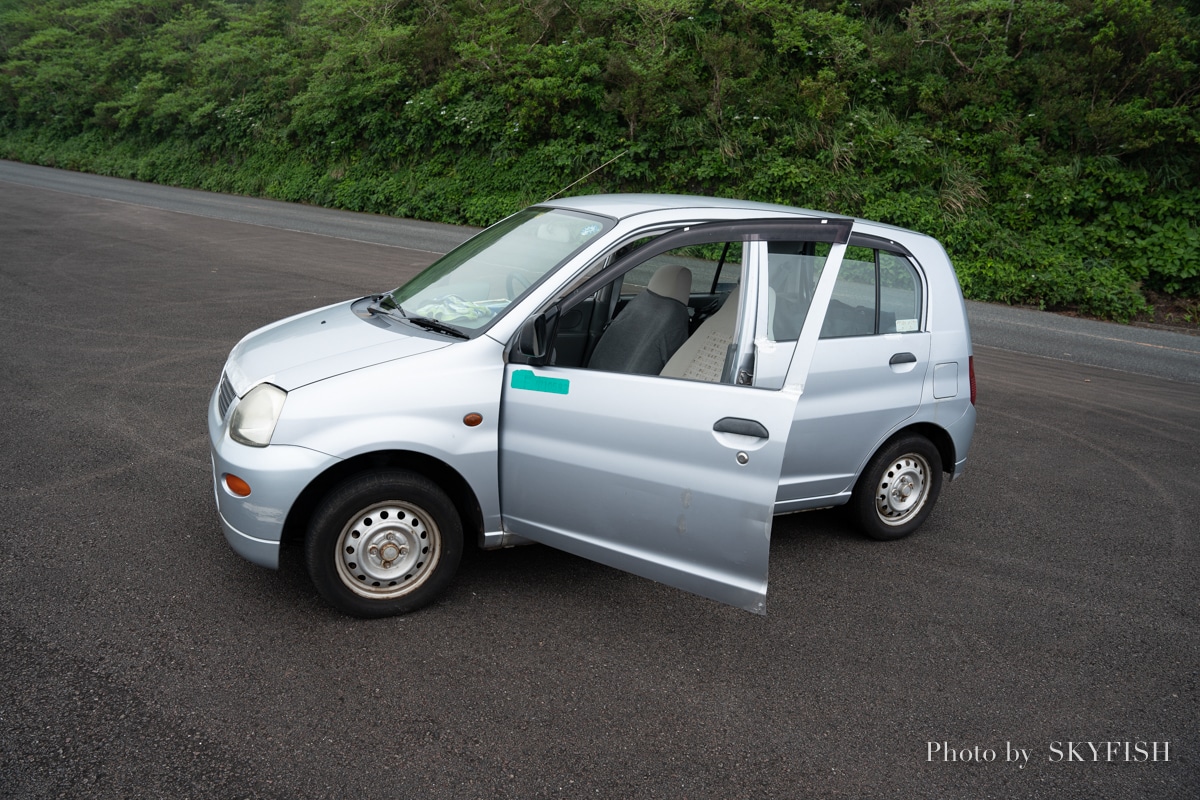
x=852, y=309
x=899, y=294
x=876, y=292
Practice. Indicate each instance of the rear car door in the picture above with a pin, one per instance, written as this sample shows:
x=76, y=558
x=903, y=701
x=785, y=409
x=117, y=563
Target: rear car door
x=867, y=374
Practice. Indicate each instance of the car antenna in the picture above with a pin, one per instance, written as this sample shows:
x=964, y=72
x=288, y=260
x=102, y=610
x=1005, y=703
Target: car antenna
x=585, y=177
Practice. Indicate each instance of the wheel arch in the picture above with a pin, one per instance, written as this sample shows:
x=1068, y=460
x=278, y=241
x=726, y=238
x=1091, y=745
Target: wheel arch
x=936, y=434
x=441, y=473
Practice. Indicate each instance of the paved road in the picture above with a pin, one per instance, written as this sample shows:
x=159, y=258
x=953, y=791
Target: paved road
x=1050, y=599
x=428, y=236
x=1136, y=350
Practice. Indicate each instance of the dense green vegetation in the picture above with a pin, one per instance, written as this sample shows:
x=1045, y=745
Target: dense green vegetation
x=1053, y=146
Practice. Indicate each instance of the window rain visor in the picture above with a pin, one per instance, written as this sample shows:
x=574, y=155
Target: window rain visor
x=471, y=285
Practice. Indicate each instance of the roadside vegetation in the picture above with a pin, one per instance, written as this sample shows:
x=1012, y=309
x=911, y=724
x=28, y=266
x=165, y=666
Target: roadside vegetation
x=1053, y=147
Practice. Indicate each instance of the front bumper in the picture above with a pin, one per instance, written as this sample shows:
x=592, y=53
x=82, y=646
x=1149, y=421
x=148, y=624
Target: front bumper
x=263, y=552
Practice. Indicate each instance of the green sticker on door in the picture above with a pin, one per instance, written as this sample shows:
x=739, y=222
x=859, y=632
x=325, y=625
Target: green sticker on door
x=525, y=379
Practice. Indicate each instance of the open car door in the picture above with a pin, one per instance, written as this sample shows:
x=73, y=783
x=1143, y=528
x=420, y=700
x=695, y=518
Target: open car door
x=667, y=478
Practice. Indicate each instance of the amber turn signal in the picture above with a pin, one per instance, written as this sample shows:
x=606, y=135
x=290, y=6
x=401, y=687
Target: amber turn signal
x=237, y=485
x=471, y=420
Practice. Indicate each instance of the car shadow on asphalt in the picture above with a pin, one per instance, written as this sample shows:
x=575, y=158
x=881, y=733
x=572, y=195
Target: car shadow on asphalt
x=536, y=574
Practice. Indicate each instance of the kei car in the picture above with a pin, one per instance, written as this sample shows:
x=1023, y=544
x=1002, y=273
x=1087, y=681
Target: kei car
x=641, y=380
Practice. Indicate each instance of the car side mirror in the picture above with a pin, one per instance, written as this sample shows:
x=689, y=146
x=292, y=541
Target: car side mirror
x=533, y=342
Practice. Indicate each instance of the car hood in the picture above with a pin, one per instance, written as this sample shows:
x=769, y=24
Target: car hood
x=320, y=344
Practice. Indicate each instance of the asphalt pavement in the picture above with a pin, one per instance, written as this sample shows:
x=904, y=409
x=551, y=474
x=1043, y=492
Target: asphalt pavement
x=1047, y=609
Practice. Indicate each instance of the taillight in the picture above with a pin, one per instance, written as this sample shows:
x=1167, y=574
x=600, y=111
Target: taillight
x=971, y=371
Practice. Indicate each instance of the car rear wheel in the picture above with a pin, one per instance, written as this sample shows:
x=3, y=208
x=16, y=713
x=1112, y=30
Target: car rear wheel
x=897, y=490
x=382, y=544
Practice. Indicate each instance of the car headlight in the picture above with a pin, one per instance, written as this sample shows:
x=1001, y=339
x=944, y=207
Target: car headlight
x=254, y=419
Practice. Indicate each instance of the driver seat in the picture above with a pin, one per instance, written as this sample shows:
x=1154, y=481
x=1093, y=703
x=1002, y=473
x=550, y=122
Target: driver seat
x=650, y=328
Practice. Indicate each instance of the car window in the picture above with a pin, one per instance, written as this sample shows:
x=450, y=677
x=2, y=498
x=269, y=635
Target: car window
x=793, y=269
x=691, y=284
x=714, y=267
x=899, y=295
x=677, y=307
x=876, y=292
x=851, y=310
x=472, y=284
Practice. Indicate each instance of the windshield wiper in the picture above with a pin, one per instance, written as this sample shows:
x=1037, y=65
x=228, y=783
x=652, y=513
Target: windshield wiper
x=436, y=325
x=385, y=305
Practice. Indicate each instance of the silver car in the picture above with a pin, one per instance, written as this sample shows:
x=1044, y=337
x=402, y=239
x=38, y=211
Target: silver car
x=641, y=380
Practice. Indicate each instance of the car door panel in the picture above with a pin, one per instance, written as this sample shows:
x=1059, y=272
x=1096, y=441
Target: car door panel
x=644, y=474
x=859, y=390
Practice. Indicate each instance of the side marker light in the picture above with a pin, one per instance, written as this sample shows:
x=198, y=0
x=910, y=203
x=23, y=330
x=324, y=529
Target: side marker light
x=237, y=485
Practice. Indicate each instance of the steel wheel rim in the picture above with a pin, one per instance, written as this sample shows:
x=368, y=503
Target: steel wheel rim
x=902, y=489
x=388, y=550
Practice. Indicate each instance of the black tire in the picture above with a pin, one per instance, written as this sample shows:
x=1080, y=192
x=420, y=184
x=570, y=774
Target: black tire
x=383, y=543
x=898, y=488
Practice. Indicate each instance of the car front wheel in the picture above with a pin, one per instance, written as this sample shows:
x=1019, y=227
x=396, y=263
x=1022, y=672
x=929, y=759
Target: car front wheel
x=897, y=490
x=384, y=543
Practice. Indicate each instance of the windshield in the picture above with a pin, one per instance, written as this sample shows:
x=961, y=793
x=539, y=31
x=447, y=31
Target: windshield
x=472, y=284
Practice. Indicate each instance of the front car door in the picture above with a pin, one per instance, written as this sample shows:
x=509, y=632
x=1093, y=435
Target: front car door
x=668, y=478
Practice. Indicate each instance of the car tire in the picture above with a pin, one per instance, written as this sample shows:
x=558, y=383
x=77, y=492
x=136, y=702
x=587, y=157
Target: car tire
x=383, y=543
x=898, y=488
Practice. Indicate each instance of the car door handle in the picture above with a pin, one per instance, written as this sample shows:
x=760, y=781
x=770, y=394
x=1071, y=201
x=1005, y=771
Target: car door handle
x=742, y=427
x=903, y=358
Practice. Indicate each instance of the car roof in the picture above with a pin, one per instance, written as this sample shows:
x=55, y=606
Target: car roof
x=623, y=206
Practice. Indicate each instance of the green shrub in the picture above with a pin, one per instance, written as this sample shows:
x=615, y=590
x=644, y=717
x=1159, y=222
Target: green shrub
x=1052, y=149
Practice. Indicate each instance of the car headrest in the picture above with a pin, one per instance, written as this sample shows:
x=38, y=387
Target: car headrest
x=672, y=281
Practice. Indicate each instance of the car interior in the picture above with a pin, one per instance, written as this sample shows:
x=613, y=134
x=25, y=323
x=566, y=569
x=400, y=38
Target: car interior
x=675, y=314
x=638, y=321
